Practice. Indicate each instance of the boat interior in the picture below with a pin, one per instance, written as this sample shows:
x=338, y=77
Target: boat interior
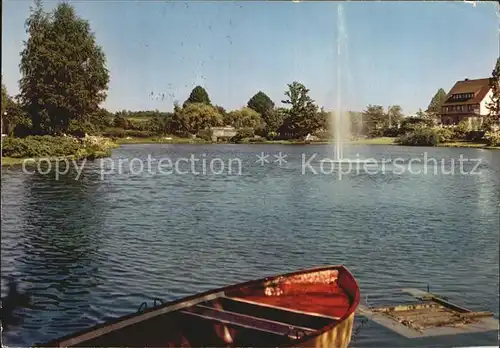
x=277, y=312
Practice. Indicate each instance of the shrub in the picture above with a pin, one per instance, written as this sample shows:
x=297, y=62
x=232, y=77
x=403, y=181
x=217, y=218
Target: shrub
x=391, y=132
x=492, y=138
x=79, y=129
x=242, y=134
x=39, y=146
x=114, y=132
x=139, y=133
x=420, y=137
x=445, y=135
x=476, y=135
x=205, y=134
x=461, y=130
x=50, y=146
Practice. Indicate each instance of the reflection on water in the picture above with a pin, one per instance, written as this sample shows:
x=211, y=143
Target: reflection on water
x=96, y=248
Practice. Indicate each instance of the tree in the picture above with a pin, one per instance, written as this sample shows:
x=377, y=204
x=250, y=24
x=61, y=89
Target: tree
x=120, y=121
x=356, y=126
x=394, y=115
x=195, y=117
x=198, y=95
x=420, y=114
x=273, y=120
x=261, y=103
x=244, y=118
x=494, y=105
x=303, y=115
x=63, y=71
x=5, y=99
x=374, y=119
x=434, y=108
x=14, y=119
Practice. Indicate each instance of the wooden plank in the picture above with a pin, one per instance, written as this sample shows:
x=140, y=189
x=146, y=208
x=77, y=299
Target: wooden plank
x=251, y=318
x=270, y=313
x=450, y=305
x=227, y=321
x=427, y=296
x=284, y=308
x=410, y=307
x=476, y=314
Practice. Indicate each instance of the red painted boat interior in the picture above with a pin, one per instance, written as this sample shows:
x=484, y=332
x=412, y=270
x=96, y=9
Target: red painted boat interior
x=275, y=312
x=317, y=293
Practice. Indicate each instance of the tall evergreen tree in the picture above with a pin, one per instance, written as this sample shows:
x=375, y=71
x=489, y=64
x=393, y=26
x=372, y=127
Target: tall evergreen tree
x=64, y=74
x=261, y=103
x=434, y=108
x=494, y=105
x=198, y=95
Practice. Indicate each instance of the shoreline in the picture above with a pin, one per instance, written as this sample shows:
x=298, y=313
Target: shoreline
x=12, y=161
x=367, y=141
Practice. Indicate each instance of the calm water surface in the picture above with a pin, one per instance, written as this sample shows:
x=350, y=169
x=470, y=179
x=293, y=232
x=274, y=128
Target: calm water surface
x=95, y=248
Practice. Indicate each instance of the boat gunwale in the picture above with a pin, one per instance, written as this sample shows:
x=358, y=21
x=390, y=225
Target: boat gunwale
x=128, y=319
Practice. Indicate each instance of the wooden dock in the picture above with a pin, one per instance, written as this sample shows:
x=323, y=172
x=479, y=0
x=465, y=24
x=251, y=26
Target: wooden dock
x=431, y=316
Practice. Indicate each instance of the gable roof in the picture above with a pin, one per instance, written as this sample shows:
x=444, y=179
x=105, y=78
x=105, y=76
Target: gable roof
x=479, y=87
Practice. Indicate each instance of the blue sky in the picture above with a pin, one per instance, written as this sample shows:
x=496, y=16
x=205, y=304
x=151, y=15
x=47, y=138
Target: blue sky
x=393, y=53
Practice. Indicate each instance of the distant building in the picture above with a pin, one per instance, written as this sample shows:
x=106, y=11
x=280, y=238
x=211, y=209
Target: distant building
x=467, y=100
x=222, y=133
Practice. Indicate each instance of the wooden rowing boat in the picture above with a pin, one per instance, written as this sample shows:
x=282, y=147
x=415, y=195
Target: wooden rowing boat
x=309, y=308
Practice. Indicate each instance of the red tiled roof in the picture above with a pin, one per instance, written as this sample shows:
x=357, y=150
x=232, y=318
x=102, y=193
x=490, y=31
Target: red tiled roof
x=479, y=87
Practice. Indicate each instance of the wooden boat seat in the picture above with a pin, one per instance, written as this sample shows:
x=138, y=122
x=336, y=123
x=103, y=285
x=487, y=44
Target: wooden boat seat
x=274, y=313
x=247, y=321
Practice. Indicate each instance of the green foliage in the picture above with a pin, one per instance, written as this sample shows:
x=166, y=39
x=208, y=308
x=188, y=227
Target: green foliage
x=394, y=116
x=39, y=146
x=374, y=119
x=51, y=146
x=357, y=126
x=5, y=98
x=244, y=118
x=492, y=138
x=494, y=106
x=409, y=124
x=242, y=135
x=64, y=74
x=273, y=120
x=221, y=110
x=121, y=122
x=261, y=103
x=302, y=118
x=420, y=137
x=15, y=120
x=461, y=129
x=434, y=107
x=198, y=95
x=446, y=135
x=420, y=114
x=195, y=117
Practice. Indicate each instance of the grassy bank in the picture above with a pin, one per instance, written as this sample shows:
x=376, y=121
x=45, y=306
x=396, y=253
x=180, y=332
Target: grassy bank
x=469, y=144
x=16, y=150
x=160, y=140
x=177, y=140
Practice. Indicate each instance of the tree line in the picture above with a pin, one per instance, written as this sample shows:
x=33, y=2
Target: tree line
x=64, y=80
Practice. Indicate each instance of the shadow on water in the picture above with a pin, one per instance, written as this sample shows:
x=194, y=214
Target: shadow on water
x=50, y=244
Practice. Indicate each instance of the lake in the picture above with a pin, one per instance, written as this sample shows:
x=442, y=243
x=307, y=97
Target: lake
x=94, y=244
